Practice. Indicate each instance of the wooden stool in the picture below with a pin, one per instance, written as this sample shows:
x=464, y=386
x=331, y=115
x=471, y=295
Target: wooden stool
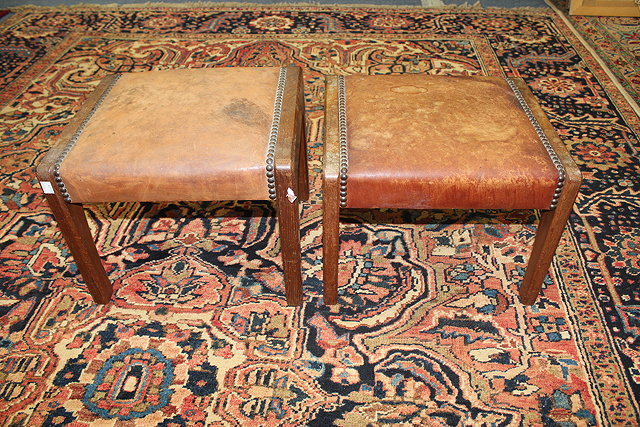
x=182, y=135
x=437, y=142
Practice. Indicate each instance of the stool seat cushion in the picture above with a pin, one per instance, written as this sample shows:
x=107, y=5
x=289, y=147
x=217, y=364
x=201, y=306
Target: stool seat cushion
x=197, y=134
x=417, y=141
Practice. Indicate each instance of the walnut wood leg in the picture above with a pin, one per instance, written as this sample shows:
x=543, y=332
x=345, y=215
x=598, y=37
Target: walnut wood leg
x=289, y=225
x=552, y=223
x=73, y=223
x=330, y=240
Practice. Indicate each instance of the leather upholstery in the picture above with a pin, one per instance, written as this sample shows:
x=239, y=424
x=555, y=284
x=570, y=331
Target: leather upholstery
x=197, y=134
x=440, y=142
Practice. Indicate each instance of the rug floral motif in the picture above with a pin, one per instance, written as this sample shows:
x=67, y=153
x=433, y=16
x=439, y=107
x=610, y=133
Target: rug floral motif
x=429, y=330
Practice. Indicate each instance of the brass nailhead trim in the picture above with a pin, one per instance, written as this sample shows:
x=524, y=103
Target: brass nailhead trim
x=273, y=135
x=545, y=141
x=74, y=140
x=342, y=129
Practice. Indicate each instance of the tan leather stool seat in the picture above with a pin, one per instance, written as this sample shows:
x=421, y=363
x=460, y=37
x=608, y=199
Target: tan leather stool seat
x=443, y=142
x=183, y=135
x=176, y=135
x=438, y=142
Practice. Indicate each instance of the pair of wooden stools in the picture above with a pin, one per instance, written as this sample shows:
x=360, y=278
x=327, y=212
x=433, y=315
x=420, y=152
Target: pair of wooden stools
x=401, y=141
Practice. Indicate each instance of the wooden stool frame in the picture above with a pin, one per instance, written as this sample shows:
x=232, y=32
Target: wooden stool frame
x=550, y=228
x=290, y=173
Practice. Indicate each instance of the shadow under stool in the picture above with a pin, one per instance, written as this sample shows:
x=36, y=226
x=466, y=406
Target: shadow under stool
x=440, y=142
x=202, y=134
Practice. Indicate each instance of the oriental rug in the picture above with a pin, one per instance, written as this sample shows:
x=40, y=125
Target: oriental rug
x=615, y=39
x=429, y=330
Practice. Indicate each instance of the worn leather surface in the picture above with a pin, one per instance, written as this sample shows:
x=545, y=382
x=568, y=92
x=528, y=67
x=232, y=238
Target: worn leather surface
x=442, y=142
x=197, y=134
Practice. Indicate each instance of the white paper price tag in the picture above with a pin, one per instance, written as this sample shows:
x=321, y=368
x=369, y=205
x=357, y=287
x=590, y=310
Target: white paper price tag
x=47, y=188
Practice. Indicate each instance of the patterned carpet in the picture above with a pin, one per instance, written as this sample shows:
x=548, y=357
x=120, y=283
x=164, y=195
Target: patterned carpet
x=429, y=330
x=617, y=41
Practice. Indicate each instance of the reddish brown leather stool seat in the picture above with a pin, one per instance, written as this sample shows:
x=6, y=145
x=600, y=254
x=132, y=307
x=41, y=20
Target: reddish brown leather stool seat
x=437, y=142
x=182, y=135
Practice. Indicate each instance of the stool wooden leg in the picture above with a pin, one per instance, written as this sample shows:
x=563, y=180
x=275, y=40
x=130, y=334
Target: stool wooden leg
x=552, y=223
x=75, y=229
x=289, y=225
x=303, y=169
x=330, y=239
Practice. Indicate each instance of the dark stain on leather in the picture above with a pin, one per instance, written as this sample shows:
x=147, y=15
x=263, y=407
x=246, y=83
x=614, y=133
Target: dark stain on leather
x=245, y=112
